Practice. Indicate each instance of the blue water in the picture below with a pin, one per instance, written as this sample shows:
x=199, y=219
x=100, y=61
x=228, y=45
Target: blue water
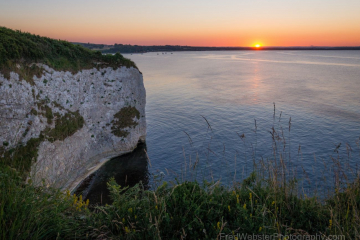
x=319, y=90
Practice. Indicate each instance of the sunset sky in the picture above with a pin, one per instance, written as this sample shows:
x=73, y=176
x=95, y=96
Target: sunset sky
x=189, y=22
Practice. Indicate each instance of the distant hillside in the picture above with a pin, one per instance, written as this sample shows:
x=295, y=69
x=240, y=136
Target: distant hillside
x=20, y=47
x=94, y=46
x=127, y=48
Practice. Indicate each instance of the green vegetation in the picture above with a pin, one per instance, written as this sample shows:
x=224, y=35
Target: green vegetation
x=25, y=72
x=187, y=210
x=65, y=126
x=34, y=112
x=48, y=113
x=92, y=46
x=23, y=155
x=123, y=119
x=20, y=51
x=27, y=212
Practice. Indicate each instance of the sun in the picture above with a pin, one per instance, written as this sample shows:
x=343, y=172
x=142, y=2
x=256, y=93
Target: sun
x=257, y=45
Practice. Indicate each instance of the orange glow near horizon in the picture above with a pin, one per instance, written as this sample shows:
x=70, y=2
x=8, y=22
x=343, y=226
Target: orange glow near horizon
x=106, y=35
x=192, y=23
x=217, y=38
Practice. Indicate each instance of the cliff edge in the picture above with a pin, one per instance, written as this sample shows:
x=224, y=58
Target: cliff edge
x=62, y=115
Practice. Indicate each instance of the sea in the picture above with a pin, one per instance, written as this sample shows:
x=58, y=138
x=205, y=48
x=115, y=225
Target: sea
x=218, y=116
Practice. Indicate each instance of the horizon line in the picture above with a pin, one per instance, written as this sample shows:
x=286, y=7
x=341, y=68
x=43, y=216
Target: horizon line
x=307, y=46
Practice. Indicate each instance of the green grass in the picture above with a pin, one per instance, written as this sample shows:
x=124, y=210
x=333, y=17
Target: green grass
x=17, y=47
x=180, y=210
x=28, y=212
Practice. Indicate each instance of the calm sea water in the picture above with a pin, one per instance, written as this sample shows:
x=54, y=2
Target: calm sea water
x=229, y=90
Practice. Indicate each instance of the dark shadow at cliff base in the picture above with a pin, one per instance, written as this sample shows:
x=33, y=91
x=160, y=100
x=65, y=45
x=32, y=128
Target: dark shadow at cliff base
x=128, y=170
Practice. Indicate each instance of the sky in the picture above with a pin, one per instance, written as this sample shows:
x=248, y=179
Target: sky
x=189, y=22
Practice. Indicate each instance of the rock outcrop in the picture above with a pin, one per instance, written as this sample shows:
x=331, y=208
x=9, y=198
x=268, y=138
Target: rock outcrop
x=59, y=126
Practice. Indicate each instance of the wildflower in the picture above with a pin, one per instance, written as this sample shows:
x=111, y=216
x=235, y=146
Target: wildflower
x=250, y=196
x=260, y=228
x=229, y=207
x=156, y=207
x=273, y=203
x=330, y=224
x=135, y=217
x=87, y=202
x=127, y=230
x=218, y=225
x=130, y=210
x=244, y=206
x=237, y=198
x=250, y=214
x=233, y=192
x=123, y=220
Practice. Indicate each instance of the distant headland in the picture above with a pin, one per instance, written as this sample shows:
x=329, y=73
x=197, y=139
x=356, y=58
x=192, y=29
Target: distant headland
x=127, y=48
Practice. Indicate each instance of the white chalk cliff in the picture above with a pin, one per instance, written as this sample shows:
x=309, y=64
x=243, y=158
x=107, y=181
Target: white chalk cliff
x=75, y=121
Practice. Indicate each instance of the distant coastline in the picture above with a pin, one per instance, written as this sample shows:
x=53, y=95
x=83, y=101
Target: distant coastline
x=127, y=48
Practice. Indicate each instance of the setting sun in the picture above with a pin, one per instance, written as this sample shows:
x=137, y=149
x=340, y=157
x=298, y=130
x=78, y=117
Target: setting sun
x=257, y=45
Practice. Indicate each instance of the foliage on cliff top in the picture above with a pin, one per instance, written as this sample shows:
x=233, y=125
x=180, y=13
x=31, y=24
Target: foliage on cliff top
x=17, y=46
x=187, y=210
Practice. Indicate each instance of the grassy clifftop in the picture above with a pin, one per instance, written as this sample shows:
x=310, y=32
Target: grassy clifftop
x=20, y=47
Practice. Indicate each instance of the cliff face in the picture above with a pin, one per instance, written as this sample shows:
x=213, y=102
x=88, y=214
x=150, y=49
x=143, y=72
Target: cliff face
x=59, y=127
